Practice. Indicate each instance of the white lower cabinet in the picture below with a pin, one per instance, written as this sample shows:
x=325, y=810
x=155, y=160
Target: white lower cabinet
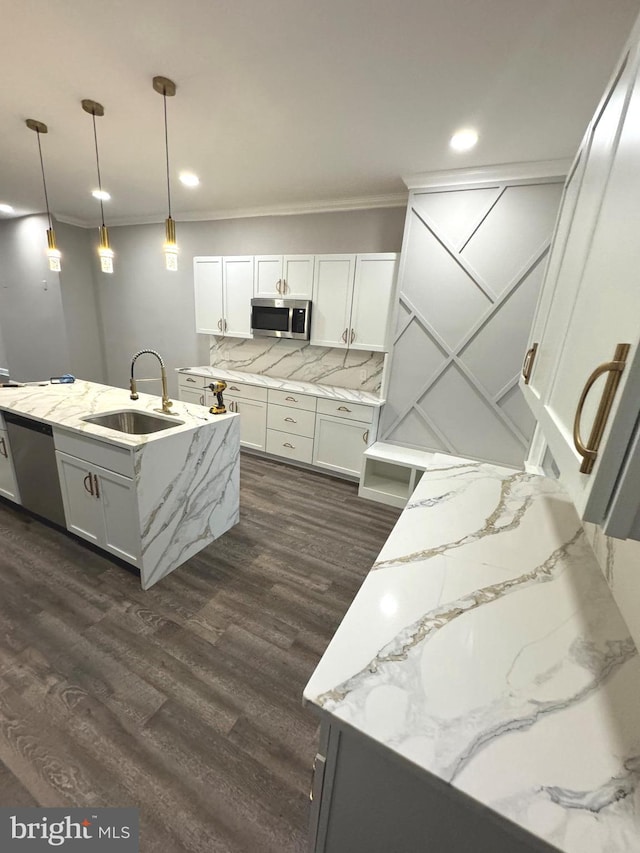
x=8, y=485
x=253, y=420
x=100, y=506
x=339, y=443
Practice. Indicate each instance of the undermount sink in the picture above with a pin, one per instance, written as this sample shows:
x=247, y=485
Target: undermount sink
x=133, y=421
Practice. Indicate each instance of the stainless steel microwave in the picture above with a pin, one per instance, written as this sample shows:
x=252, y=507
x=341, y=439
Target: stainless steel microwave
x=281, y=318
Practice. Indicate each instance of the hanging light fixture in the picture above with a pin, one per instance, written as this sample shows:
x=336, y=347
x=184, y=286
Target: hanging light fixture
x=104, y=249
x=53, y=253
x=167, y=88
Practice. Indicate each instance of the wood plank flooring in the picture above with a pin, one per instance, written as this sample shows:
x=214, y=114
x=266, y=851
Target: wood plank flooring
x=184, y=700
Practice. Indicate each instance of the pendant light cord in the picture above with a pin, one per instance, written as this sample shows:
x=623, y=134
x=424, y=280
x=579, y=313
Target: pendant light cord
x=44, y=182
x=166, y=148
x=95, y=139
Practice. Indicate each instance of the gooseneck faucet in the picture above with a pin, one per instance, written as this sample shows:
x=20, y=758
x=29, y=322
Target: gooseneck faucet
x=166, y=402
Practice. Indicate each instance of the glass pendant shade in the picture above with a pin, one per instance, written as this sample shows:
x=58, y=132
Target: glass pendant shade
x=105, y=251
x=53, y=252
x=170, y=245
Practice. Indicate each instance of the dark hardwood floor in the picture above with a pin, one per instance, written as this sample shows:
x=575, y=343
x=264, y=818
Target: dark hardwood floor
x=184, y=700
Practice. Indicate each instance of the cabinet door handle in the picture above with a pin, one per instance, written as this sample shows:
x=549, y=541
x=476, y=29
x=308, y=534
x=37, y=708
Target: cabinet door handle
x=235, y=407
x=313, y=776
x=353, y=336
x=292, y=399
x=344, y=336
x=220, y=325
x=3, y=451
x=290, y=421
x=225, y=324
x=614, y=368
x=89, y=488
x=279, y=285
x=190, y=379
x=365, y=436
x=527, y=364
x=286, y=444
x=95, y=480
x=343, y=409
x=285, y=286
x=202, y=399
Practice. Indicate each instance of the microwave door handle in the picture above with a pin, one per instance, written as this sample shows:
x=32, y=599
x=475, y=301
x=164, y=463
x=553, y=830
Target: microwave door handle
x=290, y=320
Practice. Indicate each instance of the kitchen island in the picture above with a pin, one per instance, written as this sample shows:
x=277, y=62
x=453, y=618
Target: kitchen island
x=482, y=691
x=153, y=499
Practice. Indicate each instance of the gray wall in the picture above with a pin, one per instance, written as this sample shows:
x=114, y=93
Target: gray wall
x=143, y=305
x=31, y=311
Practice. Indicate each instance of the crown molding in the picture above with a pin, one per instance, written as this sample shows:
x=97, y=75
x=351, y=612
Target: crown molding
x=481, y=175
x=334, y=206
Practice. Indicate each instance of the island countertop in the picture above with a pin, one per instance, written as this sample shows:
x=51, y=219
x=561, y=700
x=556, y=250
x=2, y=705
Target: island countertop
x=66, y=405
x=485, y=647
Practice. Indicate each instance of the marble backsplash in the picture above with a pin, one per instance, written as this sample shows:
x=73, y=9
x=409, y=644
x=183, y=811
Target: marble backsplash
x=282, y=359
x=619, y=560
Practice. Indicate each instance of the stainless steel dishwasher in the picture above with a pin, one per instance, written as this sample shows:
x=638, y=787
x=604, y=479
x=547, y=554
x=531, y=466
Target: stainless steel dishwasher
x=34, y=461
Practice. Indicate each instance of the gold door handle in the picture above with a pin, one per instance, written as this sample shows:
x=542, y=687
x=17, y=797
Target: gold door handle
x=89, y=488
x=95, y=480
x=286, y=444
x=353, y=336
x=614, y=368
x=4, y=448
x=344, y=336
x=527, y=364
x=343, y=409
x=290, y=421
x=365, y=436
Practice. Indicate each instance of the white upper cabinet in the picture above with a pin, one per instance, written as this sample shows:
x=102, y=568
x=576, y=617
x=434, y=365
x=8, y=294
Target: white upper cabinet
x=583, y=367
x=352, y=299
x=207, y=279
x=332, y=294
x=223, y=291
x=289, y=276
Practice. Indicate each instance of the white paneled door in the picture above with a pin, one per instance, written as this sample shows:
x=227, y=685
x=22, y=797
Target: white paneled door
x=472, y=266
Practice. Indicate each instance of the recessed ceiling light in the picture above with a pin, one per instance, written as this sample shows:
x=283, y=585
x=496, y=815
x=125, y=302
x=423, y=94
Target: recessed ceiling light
x=102, y=195
x=189, y=179
x=6, y=208
x=463, y=140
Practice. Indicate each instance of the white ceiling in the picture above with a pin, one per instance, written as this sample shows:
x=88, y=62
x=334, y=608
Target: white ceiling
x=289, y=104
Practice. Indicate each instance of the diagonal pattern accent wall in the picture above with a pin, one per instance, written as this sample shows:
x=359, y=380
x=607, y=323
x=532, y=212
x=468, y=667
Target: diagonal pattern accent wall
x=472, y=266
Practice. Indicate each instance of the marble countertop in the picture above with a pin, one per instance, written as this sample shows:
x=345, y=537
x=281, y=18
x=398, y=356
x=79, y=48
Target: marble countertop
x=331, y=392
x=485, y=647
x=66, y=405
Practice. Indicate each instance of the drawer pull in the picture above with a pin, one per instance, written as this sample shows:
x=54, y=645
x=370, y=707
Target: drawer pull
x=614, y=368
x=292, y=399
x=190, y=379
x=88, y=488
x=286, y=444
x=365, y=436
x=343, y=409
x=233, y=388
x=290, y=421
x=527, y=364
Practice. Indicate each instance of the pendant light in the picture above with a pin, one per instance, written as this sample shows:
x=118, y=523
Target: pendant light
x=53, y=253
x=104, y=249
x=167, y=88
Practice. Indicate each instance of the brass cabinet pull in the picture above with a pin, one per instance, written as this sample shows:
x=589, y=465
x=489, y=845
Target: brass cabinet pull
x=365, y=436
x=190, y=379
x=286, y=444
x=343, y=409
x=290, y=421
x=3, y=451
x=344, y=336
x=353, y=336
x=292, y=399
x=527, y=364
x=95, y=480
x=614, y=368
x=89, y=488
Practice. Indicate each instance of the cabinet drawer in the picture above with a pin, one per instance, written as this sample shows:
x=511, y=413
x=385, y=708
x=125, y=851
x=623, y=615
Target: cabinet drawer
x=292, y=446
x=293, y=399
x=288, y=419
x=248, y=392
x=353, y=411
x=191, y=383
x=94, y=451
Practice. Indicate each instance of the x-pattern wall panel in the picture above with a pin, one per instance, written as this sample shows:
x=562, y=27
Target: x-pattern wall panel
x=473, y=262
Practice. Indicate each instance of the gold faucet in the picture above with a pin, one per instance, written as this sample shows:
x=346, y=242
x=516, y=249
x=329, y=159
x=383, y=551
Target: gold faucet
x=166, y=402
